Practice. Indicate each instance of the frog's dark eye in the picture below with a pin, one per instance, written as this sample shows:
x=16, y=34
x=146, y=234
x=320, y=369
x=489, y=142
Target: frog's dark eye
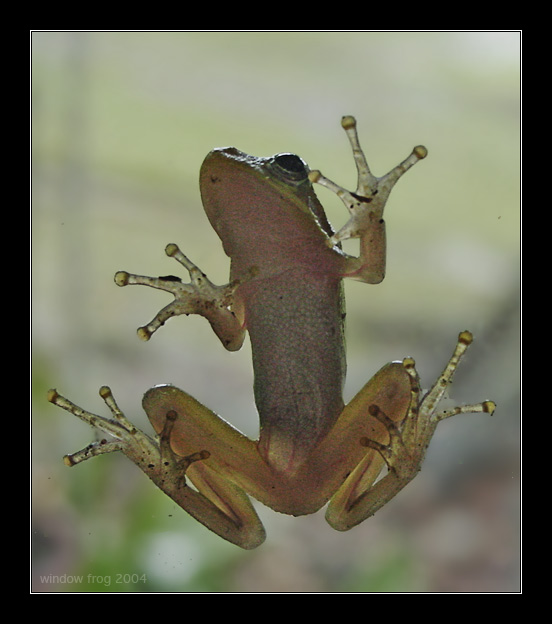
x=290, y=167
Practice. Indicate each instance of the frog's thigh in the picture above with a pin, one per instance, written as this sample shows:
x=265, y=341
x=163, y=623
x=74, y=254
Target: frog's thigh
x=232, y=455
x=216, y=477
x=390, y=390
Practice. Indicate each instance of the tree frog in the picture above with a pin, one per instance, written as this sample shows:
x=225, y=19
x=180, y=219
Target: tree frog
x=285, y=290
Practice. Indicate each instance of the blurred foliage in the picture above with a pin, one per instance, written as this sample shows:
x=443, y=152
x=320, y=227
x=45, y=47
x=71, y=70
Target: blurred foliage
x=121, y=123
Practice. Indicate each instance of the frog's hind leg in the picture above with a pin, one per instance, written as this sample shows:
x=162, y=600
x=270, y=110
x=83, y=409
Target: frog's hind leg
x=404, y=451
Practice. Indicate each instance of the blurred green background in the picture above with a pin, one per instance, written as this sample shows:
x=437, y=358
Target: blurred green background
x=121, y=122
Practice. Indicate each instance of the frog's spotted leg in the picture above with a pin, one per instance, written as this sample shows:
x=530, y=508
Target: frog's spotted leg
x=232, y=517
x=404, y=453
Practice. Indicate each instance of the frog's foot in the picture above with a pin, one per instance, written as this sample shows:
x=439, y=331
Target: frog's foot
x=367, y=203
x=156, y=459
x=404, y=454
x=200, y=296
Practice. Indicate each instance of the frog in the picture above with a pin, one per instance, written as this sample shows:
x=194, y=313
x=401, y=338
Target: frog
x=287, y=267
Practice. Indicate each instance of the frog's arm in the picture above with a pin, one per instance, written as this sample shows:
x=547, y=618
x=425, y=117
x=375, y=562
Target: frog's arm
x=366, y=206
x=200, y=296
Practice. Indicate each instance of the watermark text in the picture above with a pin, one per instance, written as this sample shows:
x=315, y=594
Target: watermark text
x=106, y=580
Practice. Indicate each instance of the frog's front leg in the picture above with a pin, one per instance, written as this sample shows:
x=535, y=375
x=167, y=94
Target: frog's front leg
x=366, y=206
x=218, y=504
x=200, y=296
x=408, y=436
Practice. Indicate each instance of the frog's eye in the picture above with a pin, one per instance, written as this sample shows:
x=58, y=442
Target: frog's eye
x=290, y=167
